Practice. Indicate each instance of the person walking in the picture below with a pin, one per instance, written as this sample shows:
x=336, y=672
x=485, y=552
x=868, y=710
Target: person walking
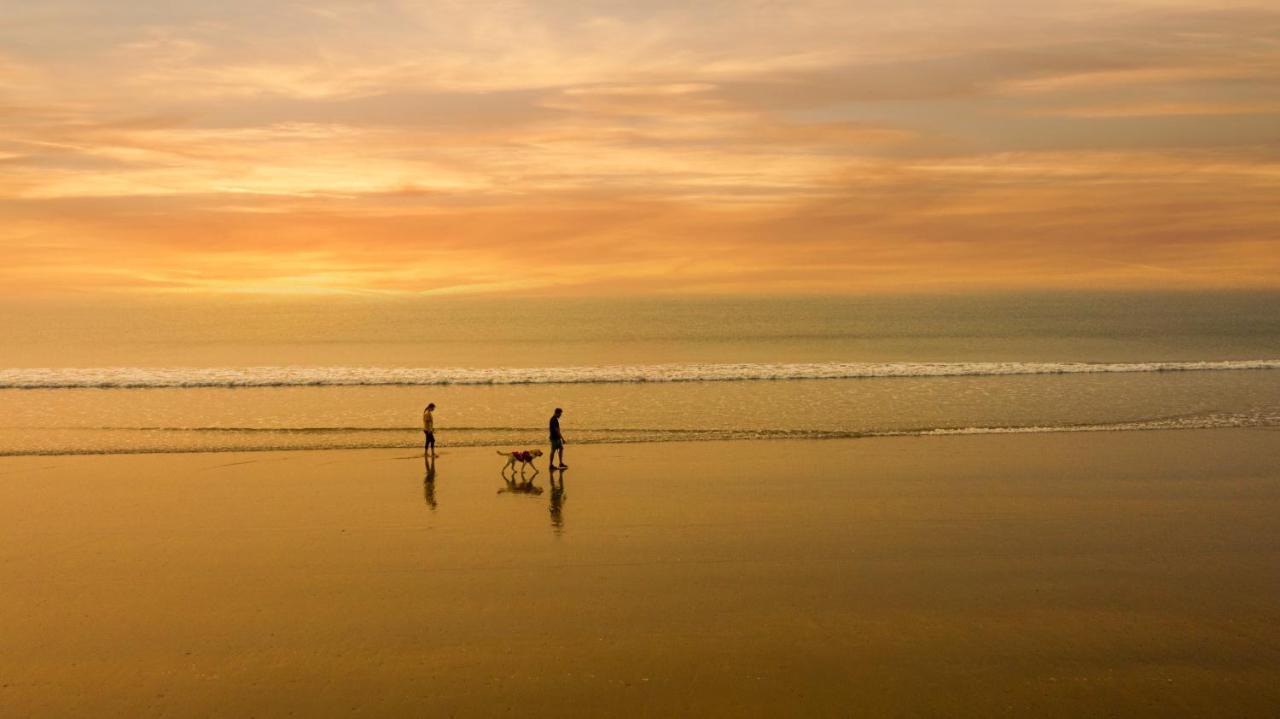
x=429, y=430
x=557, y=441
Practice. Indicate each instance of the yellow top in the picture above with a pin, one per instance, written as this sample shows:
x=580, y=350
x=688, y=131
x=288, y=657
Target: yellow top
x=428, y=422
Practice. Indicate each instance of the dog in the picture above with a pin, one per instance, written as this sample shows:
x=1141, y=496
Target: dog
x=524, y=457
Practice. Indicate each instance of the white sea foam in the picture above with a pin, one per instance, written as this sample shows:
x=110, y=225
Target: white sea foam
x=160, y=377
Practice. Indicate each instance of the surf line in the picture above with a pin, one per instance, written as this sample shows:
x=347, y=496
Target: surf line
x=180, y=377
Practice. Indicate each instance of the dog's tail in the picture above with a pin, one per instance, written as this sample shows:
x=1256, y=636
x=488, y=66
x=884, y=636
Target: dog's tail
x=504, y=454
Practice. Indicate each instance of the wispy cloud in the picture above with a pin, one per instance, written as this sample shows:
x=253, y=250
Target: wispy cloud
x=412, y=147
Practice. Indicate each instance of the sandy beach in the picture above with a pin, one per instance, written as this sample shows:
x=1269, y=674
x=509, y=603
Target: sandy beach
x=913, y=359
x=1085, y=574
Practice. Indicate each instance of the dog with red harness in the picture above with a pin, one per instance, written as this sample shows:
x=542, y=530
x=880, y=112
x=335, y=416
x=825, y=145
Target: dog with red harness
x=522, y=457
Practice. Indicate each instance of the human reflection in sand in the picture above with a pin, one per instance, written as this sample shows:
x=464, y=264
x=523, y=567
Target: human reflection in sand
x=557, y=501
x=519, y=486
x=429, y=483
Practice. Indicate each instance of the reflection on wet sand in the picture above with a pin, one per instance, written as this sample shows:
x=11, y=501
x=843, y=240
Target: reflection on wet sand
x=521, y=486
x=557, y=501
x=429, y=483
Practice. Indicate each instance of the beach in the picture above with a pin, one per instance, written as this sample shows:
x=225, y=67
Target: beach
x=1042, y=574
x=908, y=359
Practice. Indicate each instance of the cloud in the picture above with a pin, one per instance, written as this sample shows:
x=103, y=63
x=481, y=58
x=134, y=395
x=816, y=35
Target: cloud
x=410, y=147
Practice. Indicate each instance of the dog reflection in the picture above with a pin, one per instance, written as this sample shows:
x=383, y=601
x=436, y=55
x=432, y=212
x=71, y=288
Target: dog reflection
x=520, y=486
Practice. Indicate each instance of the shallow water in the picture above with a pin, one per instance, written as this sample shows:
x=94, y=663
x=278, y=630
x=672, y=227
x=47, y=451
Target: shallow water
x=183, y=376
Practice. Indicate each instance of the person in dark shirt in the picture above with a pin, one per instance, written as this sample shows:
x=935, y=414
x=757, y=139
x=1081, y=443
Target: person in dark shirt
x=557, y=441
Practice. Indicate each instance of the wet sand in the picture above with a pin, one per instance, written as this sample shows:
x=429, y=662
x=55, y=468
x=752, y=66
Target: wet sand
x=1089, y=574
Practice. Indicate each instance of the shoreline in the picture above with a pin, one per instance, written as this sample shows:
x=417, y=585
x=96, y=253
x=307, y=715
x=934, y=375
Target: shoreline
x=669, y=436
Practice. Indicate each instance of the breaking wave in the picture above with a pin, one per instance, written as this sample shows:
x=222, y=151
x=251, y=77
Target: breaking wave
x=176, y=377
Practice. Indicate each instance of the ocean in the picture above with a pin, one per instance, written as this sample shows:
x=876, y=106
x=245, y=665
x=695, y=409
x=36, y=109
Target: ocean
x=177, y=374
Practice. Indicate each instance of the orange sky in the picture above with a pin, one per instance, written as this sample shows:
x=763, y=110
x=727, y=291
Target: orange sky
x=447, y=147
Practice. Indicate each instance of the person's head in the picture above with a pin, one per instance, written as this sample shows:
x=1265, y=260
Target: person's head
x=431, y=406
x=559, y=411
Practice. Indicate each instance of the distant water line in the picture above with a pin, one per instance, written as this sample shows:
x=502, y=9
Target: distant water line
x=294, y=376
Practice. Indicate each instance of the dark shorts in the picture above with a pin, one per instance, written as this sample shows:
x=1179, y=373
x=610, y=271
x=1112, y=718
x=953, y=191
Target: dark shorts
x=431, y=436
x=556, y=443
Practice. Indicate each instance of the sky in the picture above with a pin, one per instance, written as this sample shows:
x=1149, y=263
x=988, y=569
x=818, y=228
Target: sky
x=422, y=148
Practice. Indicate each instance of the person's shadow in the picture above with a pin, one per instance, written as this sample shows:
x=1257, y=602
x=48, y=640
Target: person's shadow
x=557, y=501
x=429, y=484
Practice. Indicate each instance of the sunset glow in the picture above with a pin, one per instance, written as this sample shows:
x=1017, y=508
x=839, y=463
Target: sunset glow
x=458, y=147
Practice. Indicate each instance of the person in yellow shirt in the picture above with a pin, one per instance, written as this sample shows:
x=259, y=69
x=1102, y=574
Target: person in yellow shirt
x=429, y=429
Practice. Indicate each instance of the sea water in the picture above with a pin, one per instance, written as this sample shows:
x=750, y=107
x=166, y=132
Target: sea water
x=179, y=374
